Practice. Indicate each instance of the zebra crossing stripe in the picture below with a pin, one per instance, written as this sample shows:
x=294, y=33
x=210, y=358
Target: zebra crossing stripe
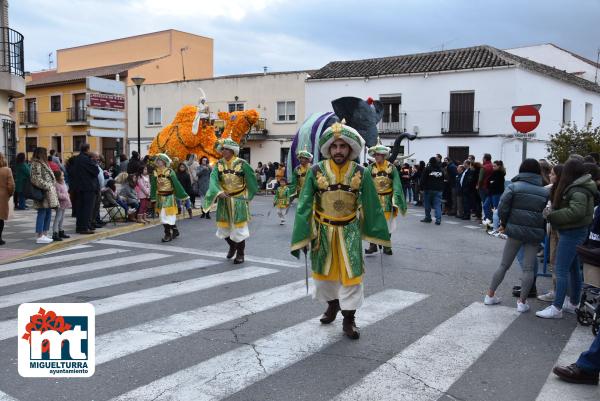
x=8, y=328
x=99, y=282
x=191, y=251
x=83, y=268
x=71, y=248
x=126, y=341
x=228, y=373
x=558, y=390
x=426, y=369
x=44, y=261
x=6, y=397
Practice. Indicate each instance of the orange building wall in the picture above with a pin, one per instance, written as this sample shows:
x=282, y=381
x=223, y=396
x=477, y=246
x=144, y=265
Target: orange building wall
x=54, y=124
x=164, y=45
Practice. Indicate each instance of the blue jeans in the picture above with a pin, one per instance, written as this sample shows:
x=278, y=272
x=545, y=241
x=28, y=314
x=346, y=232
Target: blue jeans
x=486, y=199
x=433, y=199
x=21, y=200
x=567, y=266
x=42, y=222
x=590, y=360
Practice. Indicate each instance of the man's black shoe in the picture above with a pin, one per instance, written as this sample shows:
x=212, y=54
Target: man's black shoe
x=426, y=220
x=516, y=292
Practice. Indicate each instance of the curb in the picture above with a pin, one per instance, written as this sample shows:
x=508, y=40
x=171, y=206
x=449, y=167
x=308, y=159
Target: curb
x=59, y=245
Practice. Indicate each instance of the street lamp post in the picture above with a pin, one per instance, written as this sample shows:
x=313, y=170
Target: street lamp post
x=138, y=81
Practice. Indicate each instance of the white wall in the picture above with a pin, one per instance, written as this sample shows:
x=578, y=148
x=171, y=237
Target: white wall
x=557, y=58
x=260, y=92
x=424, y=98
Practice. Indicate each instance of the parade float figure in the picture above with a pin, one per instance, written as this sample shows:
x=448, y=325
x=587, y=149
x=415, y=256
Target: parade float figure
x=337, y=208
x=232, y=186
x=389, y=189
x=362, y=115
x=193, y=131
x=165, y=190
x=299, y=173
x=281, y=201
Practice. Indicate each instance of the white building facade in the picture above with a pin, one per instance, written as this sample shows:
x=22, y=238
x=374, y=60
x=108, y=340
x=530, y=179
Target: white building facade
x=278, y=97
x=460, y=101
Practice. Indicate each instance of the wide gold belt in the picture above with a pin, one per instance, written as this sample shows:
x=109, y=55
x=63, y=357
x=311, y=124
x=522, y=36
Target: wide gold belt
x=336, y=222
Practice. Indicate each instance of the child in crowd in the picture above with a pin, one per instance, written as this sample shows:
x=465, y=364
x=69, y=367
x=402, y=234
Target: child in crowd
x=142, y=190
x=282, y=200
x=110, y=198
x=64, y=202
x=128, y=195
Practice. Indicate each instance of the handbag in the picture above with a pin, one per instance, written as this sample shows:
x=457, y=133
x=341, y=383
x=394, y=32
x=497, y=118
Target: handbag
x=32, y=192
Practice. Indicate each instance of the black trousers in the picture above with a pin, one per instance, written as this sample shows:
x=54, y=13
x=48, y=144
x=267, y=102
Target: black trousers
x=95, y=215
x=83, y=213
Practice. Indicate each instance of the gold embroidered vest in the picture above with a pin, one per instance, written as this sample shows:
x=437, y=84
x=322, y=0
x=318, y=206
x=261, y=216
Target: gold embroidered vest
x=382, y=178
x=337, y=202
x=164, y=185
x=301, y=171
x=231, y=176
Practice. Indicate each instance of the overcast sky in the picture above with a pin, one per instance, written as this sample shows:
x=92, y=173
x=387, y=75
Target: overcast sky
x=301, y=34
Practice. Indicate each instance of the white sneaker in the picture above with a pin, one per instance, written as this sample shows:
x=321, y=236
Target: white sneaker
x=43, y=240
x=568, y=306
x=492, y=233
x=502, y=236
x=486, y=222
x=491, y=300
x=547, y=297
x=551, y=312
x=522, y=307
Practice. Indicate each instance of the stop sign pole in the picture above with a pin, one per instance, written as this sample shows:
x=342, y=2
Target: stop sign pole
x=525, y=119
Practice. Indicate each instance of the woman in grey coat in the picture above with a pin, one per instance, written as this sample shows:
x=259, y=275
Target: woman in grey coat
x=203, y=174
x=521, y=219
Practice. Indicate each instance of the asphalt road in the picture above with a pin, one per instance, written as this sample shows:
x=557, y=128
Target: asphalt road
x=179, y=321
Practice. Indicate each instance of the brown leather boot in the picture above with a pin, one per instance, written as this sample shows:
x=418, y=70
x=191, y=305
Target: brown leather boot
x=232, y=247
x=167, y=237
x=372, y=249
x=349, y=325
x=331, y=313
x=239, y=256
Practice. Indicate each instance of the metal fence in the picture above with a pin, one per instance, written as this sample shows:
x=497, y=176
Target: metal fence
x=11, y=52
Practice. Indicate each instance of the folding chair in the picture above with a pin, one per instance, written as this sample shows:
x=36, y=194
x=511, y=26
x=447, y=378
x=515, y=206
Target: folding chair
x=112, y=213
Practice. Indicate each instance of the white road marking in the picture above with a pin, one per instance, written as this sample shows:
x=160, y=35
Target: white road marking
x=99, y=282
x=44, y=261
x=83, y=268
x=126, y=341
x=72, y=248
x=127, y=300
x=228, y=373
x=472, y=227
x=6, y=397
x=558, y=390
x=450, y=222
x=426, y=369
x=192, y=251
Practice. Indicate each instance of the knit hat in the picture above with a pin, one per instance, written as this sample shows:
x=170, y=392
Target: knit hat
x=345, y=133
x=228, y=143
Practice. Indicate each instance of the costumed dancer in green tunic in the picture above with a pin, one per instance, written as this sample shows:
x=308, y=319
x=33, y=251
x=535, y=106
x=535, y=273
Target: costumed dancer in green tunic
x=337, y=209
x=299, y=173
x=282, y=200
x=165, y=190
x=389, y=189
x=232, y=186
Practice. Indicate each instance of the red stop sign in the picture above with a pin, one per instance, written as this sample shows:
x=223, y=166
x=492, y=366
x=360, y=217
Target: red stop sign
x=525, y=118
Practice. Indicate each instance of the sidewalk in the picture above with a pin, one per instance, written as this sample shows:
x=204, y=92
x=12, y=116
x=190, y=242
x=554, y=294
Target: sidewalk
x=19, y=234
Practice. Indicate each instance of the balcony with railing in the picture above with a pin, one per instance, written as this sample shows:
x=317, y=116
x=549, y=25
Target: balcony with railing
x=395, y=126
x=76, y=116
x=12, y=68
x=28, y=119
x=460, y=123
x=259, y=130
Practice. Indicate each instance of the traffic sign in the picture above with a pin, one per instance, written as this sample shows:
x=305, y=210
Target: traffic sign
x=525, y=118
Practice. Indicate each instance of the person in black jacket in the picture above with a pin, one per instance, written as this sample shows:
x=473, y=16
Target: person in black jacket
x=466, y=183
x=186, y=182
x=432, y=182
x=496, y=184
x=135, y=164
x=83, y=179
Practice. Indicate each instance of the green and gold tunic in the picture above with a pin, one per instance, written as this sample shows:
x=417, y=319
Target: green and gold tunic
x=389, y=188
x=337, y=208
x=235, y=178
x=282, y=197
x=164, y=189
x=298, y=179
